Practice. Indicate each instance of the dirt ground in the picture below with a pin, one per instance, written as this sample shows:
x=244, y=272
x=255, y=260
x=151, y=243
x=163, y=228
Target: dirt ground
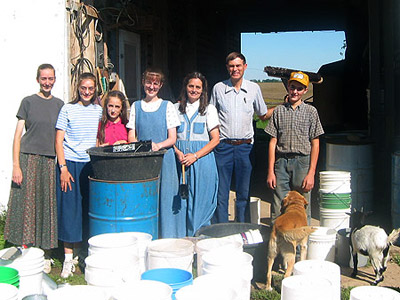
x=366, y=274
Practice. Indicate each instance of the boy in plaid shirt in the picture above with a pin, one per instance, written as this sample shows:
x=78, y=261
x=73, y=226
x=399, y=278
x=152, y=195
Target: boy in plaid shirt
x=294, y=146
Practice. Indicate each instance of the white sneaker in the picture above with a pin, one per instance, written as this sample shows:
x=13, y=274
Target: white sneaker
x=47, y=265
x=69, y=268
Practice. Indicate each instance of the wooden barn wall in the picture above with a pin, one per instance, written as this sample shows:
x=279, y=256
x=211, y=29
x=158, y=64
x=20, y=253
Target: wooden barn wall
x=180, y=37
x=184, y=36
x=215, y=39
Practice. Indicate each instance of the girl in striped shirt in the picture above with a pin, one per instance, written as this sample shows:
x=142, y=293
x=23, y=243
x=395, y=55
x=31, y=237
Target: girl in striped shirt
x=76, y=132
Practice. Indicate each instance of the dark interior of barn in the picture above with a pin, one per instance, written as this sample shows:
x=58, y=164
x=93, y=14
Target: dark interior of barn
x=357, y=95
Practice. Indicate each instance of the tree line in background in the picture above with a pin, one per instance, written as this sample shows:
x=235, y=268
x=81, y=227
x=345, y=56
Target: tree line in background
x=265, y=80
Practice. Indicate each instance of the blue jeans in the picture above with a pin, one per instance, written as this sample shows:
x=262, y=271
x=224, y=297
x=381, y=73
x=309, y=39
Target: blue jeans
x=290, y=174
x=229, y=159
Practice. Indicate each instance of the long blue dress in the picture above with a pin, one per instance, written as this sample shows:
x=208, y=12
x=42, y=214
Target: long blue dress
x=153, y=126
x=202, y=175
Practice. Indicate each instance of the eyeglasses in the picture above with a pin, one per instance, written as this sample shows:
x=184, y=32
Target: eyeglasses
x=298, y=88
x=152, y=83
x=84, y=89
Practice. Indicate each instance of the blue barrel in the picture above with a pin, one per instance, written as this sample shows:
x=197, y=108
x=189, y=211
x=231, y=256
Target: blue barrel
x=117, y=206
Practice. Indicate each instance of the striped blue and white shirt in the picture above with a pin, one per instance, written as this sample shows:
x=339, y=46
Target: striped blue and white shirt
x=80, y=124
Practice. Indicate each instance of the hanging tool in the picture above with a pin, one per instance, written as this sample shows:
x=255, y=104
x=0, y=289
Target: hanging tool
x=183, y=188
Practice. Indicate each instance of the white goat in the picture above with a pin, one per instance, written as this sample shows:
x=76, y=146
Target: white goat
x=371, y=241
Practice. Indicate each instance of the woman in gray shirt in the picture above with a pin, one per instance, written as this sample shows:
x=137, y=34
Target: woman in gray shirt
x=32, y=207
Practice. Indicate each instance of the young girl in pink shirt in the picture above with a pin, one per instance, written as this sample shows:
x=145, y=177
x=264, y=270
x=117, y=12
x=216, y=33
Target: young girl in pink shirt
x=112, y=130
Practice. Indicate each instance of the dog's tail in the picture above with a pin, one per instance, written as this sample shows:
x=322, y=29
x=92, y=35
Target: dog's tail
x=297, y=234
x=393, y=236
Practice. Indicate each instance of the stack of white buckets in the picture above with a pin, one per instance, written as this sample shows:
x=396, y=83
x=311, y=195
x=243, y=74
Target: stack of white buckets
x=117, y=260
x=221, y=264
x=30, y=267
x=322, y=243
x=318, y=277
x=331, y=240
x=8, y=291
x=335, y=185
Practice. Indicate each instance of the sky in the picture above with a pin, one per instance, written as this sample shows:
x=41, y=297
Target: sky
x=306, y=51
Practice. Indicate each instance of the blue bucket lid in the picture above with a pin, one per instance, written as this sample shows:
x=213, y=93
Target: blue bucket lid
x=170, y=276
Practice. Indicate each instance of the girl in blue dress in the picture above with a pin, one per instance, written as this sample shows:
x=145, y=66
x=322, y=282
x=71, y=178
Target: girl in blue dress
x=156, y=119
x=197, y=136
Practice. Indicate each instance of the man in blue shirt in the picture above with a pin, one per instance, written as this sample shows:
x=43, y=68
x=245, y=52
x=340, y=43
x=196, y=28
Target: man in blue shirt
x=236, y=100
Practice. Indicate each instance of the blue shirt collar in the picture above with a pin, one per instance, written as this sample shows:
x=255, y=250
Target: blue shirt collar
x=230, y=87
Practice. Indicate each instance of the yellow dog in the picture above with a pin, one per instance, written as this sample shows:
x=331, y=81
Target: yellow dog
x=289, y=230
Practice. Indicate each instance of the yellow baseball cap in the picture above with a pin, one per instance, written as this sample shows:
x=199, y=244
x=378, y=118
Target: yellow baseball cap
x=299, y=77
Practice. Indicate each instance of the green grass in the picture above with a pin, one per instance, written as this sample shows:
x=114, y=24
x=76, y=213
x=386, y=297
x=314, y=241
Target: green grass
x=275, y=91
x=265, y=295
x=2, y=223
x=259, y=123
x=275, y=295
x=269, y=295
x=77, y=279
x=345, y=293
x=3, y=243
x=396, y=259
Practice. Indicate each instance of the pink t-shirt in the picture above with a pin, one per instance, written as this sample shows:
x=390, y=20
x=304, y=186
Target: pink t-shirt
x=115, y=132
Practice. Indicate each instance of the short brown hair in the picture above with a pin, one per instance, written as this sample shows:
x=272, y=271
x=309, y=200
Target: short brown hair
x=234, y=55
x=153, y=73
x=42, y=67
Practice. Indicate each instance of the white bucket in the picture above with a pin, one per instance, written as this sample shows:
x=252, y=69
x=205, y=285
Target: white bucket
x=143, y=240
x=335, y=181
x=334, y=218
x=78, y=292
x=48, y=284
x=224, y=283
x=321, y=244
x=215, y=244
x=373, y=293
x=113, y=243
x=343, y=251
x=143, y=289
x=356, y=158
x=236, y=264
x=216, y=260
x=8, y=291
x=170, y=253
x=212, y=292
x=106, y=270
x=30, y=267
x=244, y=272
x=320, y=268
x=226, y=280
x=255, y=210
x=306, y=287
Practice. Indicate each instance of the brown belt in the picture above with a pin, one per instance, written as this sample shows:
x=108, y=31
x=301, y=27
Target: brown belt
x=289, y=155
x=237, y=142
